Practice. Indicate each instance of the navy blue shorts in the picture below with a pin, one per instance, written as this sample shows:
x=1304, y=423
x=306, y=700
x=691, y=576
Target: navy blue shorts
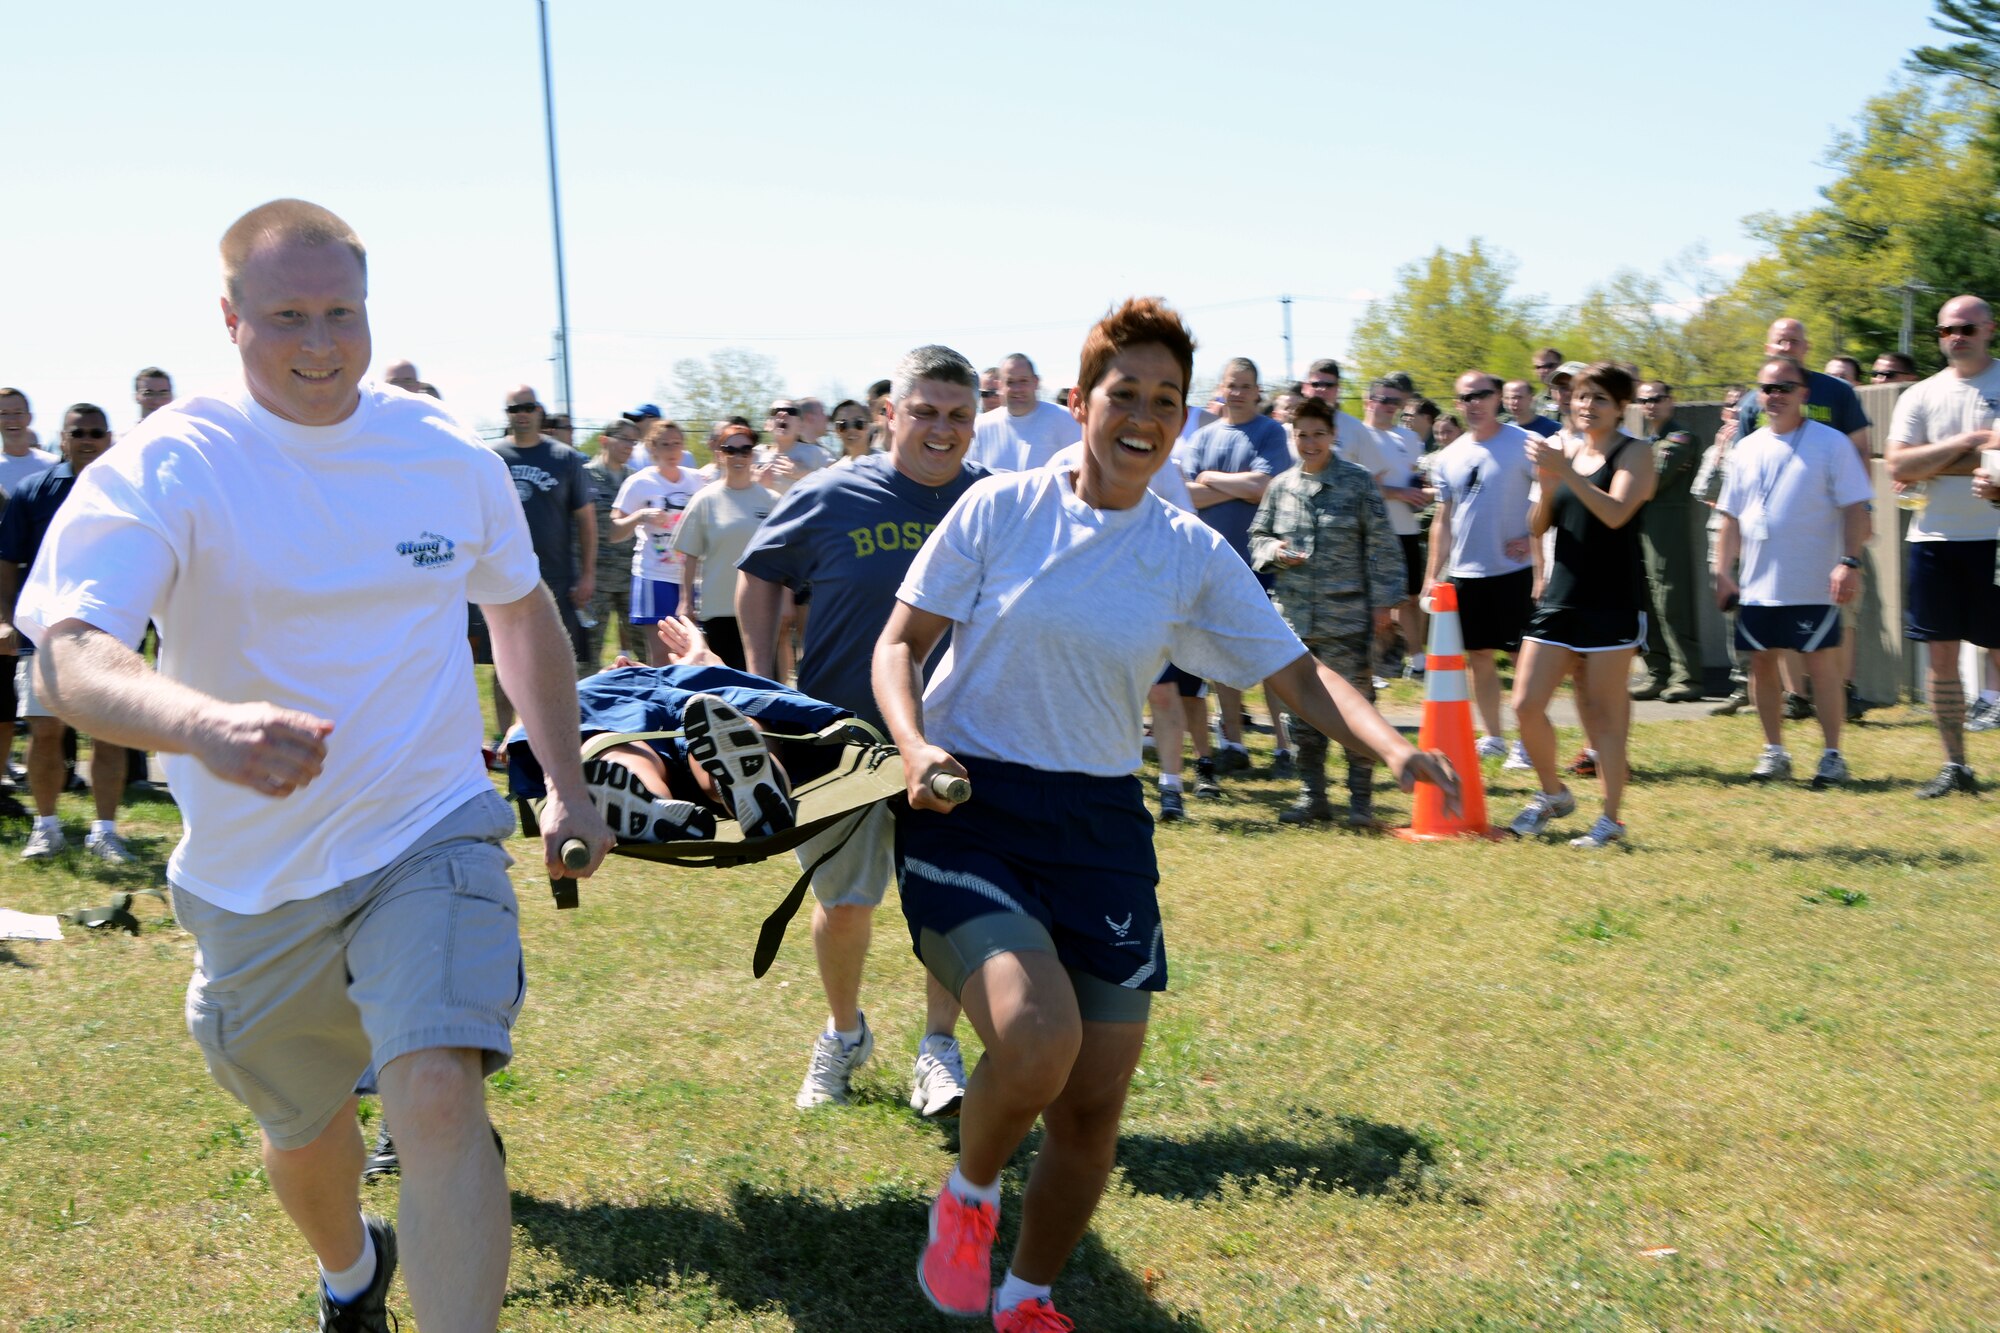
x=1186, y=683
x=1802, y=629
x=1072, y=852
x=1951, y=597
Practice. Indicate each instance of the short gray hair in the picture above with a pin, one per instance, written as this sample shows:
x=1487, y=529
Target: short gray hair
x=932, y=361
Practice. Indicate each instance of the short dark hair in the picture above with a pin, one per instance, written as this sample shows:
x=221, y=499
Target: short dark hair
x=1613, y=378
x=1555, y=352
x=152, y=373
x=9, y=391
x=1905, y=363
x=1314, y=409
x=1399, y=379
x=1241, y=363
x=1024, y=359
x=1852, y=364
x=879, y=389
x=1661, y=385
x=1326, y=365
x=1422, y=406
x=87, y=409
x=846, y=402
x=1138, y=321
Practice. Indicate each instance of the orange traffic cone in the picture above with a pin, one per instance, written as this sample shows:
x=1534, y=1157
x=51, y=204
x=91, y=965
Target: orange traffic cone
x=1447, y=727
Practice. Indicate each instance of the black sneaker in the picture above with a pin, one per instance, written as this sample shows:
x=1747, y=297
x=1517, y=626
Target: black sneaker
x=1797, y=707
x=368, y=1312
x=382, y=1161
x=1738, y=700
x=1857, y=707
x=1172, y=810
x=1950, y=778
x=1307, y=810
x=1206, y=788
x=1229, y=759
x=1283, y=765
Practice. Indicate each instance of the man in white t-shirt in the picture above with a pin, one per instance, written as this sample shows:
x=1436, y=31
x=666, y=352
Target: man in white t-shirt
x=1795, y=506
x=1390, y=452
x=1479, y=542
x=1935, y=438
x=342, y=868
x=1023, y=433
x=989, y=388
x=152, y=390
x=20, y=463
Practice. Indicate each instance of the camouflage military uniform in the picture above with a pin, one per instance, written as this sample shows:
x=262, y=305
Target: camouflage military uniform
x=1354, y=567
x=1673, y=638
x=613, y=593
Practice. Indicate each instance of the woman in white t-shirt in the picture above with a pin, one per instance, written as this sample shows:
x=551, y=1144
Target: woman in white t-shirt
x=713, y=532
x=650, y=504
x=1065, y=592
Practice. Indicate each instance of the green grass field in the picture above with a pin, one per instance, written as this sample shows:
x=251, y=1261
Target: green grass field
x=1745, y=1074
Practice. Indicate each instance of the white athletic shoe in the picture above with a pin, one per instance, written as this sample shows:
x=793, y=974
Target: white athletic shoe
x=1774, y=764
x=1490, y=747
x=44, y=843
x=732, y=752
x=635, y=814
x=1542, y=808
x=1602, y=834
x=832, y=1068
x=109, y=848
x=1517, y=757
x=938, y=1084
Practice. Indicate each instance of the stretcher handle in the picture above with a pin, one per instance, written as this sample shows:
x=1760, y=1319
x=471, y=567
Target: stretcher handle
x=951, y=787
x=575, y=853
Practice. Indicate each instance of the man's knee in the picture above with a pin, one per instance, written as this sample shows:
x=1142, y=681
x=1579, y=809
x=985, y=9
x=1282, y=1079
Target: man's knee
x=844, y=921
x=442, y=1089
x=45, y=730
x=1943, y=655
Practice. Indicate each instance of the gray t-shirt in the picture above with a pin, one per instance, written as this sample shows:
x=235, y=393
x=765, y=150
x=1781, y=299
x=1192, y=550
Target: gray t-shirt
x=549, y=478
x=1930, y=413
x=850, y=534
x=1486, y=483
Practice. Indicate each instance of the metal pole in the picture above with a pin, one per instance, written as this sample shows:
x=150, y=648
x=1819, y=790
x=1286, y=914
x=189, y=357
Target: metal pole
x=1909, y=319
x=1286, y=303
x=555, y=211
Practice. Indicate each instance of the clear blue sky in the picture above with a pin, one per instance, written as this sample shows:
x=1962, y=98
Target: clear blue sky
x=832, y=184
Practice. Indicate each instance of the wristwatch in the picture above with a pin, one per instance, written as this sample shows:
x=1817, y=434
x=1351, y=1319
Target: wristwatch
x=1850, y=562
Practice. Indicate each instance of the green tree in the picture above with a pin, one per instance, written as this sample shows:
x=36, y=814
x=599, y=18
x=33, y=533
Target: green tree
x=732, y=382
x=1913, y=204
x=1450, y=312
x=1974, y=58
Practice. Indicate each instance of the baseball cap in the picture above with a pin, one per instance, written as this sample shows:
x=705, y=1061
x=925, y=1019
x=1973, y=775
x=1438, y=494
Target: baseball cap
x=643, y=412
x=1571, y=369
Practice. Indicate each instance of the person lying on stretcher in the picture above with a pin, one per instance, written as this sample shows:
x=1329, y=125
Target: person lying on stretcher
x=671, y=789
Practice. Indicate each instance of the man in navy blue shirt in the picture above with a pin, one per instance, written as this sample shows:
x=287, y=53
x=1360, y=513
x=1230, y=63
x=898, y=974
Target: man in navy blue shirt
x=850, y=533
x=1229, y=463
x=86, y=434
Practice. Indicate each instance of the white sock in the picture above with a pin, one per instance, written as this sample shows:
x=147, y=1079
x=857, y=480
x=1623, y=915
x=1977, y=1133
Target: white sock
x=344, y=1286
x=848, y=1037
x=1170, y=782
x=965, y=1189
x=103, y=826
x=1013, y=1291
x=52, y=823
x=1989, y=696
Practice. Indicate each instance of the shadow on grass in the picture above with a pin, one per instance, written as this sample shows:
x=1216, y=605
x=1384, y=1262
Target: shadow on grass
x=1672, y=772
x=1329, y=1154
x=1880, y=856
x=820, y=1261
x=8, y=958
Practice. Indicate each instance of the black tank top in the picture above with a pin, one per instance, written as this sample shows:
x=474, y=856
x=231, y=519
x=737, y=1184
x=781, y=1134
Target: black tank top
x=1597, y=567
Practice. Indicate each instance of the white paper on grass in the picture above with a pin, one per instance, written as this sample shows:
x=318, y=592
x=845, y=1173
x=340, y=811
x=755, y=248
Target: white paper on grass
x=27, y=926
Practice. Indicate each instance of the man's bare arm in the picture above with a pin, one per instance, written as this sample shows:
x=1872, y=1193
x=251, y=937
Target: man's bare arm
x=10, y=592
x=1237, y=485
x=108, y=692
x=534, y=660
x=1955, y=457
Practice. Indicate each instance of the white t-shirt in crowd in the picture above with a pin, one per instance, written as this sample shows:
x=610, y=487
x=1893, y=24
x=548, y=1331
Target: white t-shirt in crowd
x=1786, y=493
x=321, y=568
x=714, y=529
x=653, y=555
x=1007, y=443
x=17, y=470
x=1932, y=412
x=1064, y=615
x=1391, y=457
x=1168, y=483
x=1487, y=486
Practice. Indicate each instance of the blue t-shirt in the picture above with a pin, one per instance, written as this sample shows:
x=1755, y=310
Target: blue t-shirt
x=1258, y=445
x=1831, y=401
x=1541, y=426
x=641, y=699
x=27, y=520
x=850, y=534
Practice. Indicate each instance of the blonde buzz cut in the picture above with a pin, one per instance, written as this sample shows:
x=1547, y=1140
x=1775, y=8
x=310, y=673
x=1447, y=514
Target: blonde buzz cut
x=279, y=221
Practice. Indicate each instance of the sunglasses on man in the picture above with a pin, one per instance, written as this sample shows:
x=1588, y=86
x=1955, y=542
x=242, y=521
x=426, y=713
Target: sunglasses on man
x=517, y=409
x=86, y=433
x=850, y=423
x=1782, y=386
x=1475, y=396
x=1958, y=330
x=786, y=412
